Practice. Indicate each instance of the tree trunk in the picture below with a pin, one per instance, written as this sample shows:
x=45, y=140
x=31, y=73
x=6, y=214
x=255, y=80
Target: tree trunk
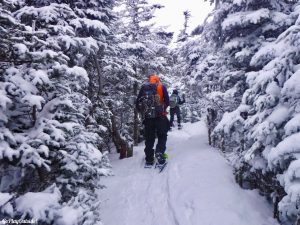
x=222, y=141
x=275, y=210
x=209, y=129
x=136, y=119
x=211, y=116
x=243, y=141
x=34, y=109
x=217, y=4
x=100, y=83
x=121, y=145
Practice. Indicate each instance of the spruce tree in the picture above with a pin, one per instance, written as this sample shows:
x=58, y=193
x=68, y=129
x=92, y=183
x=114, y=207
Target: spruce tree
x=144, y=51
x=49, y=151
x=245, y=76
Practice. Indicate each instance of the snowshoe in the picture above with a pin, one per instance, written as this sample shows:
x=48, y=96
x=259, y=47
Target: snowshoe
x=160, y=157
x=161, y=167
x=179, y=127
x=149, y=164
x=161, y=161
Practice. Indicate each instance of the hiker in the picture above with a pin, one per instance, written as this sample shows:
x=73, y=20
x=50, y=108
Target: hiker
x=175, y=101
x=152, y=102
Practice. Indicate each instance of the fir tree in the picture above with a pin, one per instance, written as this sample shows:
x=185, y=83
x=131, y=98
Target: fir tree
x=144, y=50
x=244, y=77
x=183, y=33
x=48, y=150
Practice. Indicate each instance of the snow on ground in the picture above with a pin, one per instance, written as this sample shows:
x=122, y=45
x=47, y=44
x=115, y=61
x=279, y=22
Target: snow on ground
x=196, y=188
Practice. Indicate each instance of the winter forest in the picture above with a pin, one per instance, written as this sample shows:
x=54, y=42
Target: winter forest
x=70, y=72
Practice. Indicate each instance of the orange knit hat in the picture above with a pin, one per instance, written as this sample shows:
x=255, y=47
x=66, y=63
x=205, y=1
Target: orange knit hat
x=153, y=79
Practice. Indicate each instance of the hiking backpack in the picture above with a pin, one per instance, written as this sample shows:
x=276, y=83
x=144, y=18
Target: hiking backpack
x=173, y=101
x=149, y=102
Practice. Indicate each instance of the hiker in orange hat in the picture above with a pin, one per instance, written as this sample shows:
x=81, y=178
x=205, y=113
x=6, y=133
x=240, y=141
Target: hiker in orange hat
x=152, y=102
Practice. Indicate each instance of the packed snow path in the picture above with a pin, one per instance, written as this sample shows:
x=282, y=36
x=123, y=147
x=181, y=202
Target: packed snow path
x=196, y=188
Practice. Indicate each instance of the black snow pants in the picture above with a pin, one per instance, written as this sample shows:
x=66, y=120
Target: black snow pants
x=174, y=111
x=155, y=127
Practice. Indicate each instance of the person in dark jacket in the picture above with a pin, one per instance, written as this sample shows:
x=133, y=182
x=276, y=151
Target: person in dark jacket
x=155, y=122
x=175, y=101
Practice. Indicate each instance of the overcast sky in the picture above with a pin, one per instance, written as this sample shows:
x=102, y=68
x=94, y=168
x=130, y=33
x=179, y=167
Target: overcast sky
x=172, y=14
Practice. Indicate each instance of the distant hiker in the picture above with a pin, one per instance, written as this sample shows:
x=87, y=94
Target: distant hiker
x=152, y=102
x=175, y=101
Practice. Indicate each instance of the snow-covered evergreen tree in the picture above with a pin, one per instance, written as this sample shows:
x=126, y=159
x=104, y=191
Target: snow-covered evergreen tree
x=242, y=62
x=183, y=35
x=143, y=49
x=256, y=50
x=48, y=152
x=272, y=124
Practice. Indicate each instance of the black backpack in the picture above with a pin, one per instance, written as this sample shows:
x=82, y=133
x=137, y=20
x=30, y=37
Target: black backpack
x=149, y=102
x=174, y=101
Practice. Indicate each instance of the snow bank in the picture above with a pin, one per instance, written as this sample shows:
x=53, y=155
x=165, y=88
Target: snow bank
x=4, y=198
x=38, y=205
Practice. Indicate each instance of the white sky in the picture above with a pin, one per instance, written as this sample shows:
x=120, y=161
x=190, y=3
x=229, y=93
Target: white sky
x=172, y=14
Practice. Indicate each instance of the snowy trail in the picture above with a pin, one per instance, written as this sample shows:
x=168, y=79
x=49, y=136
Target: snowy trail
x=196, y=188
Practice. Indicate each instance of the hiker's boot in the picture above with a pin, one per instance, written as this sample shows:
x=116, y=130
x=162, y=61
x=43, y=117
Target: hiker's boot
x=160, y=158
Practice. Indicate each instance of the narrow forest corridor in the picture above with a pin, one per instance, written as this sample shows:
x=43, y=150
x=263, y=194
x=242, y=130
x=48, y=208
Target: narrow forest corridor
x=76, y=84
x=196, y=188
